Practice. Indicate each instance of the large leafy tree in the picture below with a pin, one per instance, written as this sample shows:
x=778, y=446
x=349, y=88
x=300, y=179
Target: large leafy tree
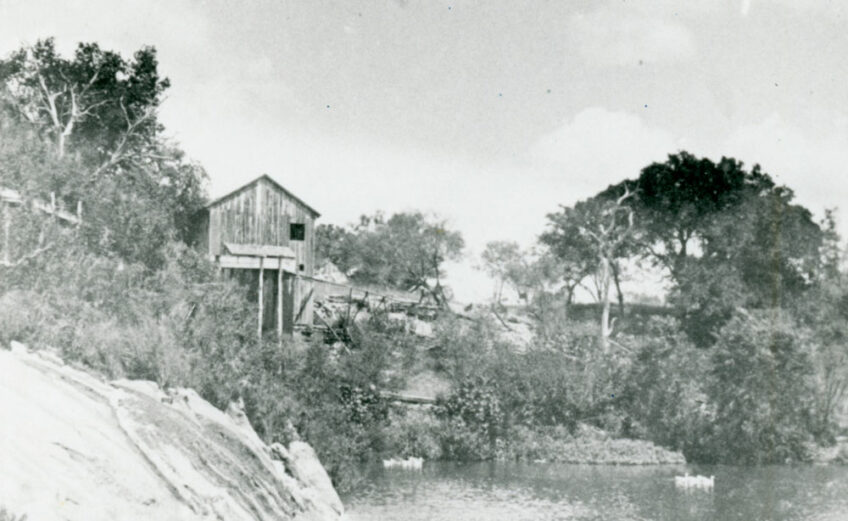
x=679, y=203
x=727, y=237
x=96, y=102
x=406, y=251
x=84, y=130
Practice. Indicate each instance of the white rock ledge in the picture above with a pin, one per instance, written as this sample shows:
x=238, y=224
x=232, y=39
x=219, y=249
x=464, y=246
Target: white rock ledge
x=74, y=447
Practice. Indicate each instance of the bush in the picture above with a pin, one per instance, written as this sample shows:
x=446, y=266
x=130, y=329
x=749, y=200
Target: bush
x=459, y=441
x=763, y=390
x=464, y=349
x=664, y=393
x=413, y=433
x=473, y=410
x=22, y=315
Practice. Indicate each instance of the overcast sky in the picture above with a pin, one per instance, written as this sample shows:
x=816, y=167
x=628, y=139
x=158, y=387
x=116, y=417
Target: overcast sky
x=488, y=113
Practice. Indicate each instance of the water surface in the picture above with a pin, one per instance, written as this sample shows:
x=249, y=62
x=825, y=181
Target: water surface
x=514, y=492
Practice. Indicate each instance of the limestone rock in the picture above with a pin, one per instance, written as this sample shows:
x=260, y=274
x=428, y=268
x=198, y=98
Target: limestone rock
x=74, y=447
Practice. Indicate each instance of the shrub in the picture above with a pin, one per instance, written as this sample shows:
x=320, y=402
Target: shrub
x=413, y=433
x=762, y=389
x=22, y=315
x=463, y=349
x=476, y=410
x=664, y=393
x=459, y=441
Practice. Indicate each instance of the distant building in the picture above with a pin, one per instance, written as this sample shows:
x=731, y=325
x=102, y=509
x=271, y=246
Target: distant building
x=264, y=236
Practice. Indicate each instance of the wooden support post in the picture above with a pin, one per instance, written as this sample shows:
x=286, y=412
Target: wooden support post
x=280, y=303
x=79, y=213
x=261, y=295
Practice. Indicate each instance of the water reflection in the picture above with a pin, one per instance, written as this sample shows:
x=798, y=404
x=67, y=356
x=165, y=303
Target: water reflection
x=498, y=491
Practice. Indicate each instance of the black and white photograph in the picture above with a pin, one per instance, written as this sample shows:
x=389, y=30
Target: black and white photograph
x=423, y=260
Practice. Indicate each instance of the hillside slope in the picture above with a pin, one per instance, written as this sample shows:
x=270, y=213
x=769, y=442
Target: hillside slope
x=73, y=447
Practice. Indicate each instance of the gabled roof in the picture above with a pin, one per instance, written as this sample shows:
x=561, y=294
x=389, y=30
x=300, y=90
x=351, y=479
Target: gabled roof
x=276, y=185
x=259, y=250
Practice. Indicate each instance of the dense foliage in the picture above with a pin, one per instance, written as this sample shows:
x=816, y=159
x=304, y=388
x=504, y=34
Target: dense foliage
x=762, y=390
x=748, y=364
x=122, y=292
x=407, y=251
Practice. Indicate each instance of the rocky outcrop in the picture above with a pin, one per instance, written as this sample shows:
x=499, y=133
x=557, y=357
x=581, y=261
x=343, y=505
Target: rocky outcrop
x=74, y=447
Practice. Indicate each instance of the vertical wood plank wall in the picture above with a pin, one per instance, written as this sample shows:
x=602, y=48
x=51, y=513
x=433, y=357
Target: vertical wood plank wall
x=260, y=213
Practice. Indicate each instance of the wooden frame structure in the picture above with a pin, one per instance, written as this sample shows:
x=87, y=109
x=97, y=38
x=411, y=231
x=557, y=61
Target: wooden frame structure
x=10, y=198
x=263, y=235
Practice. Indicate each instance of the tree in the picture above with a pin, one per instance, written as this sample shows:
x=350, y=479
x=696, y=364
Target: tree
x=97, y=98
x=599, y=228
x=727, y=237
x=406, y=251
x=84, y=129
x=678, y=201
x=762, y=388
x=825, y=313
x=505, y=262
x=337, y=245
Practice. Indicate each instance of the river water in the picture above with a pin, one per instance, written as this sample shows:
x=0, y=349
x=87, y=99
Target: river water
x=514, y=492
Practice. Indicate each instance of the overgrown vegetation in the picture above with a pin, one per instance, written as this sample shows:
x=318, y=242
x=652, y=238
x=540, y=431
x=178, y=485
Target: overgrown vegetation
x=748, y=363
x=406, y=251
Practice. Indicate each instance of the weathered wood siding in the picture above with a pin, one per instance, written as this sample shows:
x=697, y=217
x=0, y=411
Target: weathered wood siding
x=278, y=212
x=260, y=213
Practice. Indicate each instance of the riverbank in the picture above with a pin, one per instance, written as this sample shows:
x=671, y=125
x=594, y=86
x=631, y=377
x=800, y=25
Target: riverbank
x=420, y=433
x=78, y=447
x=591, y=446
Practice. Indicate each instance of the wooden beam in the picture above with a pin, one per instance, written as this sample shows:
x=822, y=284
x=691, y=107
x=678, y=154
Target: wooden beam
x=407, y=398
x=303, y=304
x=261, y=295
x=252, y=263
x=280, y=306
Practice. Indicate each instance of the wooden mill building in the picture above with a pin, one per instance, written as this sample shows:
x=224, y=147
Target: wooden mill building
x=264, y=236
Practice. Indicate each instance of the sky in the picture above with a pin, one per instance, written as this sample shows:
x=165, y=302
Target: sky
x=489, y=114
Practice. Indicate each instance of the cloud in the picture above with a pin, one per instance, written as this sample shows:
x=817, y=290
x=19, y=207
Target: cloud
x=600, y=147
x=813, y=165
x=156, y=22
x=612, y=38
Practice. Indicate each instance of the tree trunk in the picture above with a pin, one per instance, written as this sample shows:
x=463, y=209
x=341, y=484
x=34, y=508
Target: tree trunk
x=619, y=294
x=605, y=305
x=569, y=297
x=60, y=145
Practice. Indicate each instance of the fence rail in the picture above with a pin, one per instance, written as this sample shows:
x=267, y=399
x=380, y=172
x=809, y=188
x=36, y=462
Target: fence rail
x=326, y=290
x=13, y=197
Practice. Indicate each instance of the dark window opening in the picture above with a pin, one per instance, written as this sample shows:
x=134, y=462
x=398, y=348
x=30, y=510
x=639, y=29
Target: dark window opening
x=297, y=231
x=302, y=267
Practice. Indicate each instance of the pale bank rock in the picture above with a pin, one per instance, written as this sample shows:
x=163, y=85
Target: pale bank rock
x=74, y=447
